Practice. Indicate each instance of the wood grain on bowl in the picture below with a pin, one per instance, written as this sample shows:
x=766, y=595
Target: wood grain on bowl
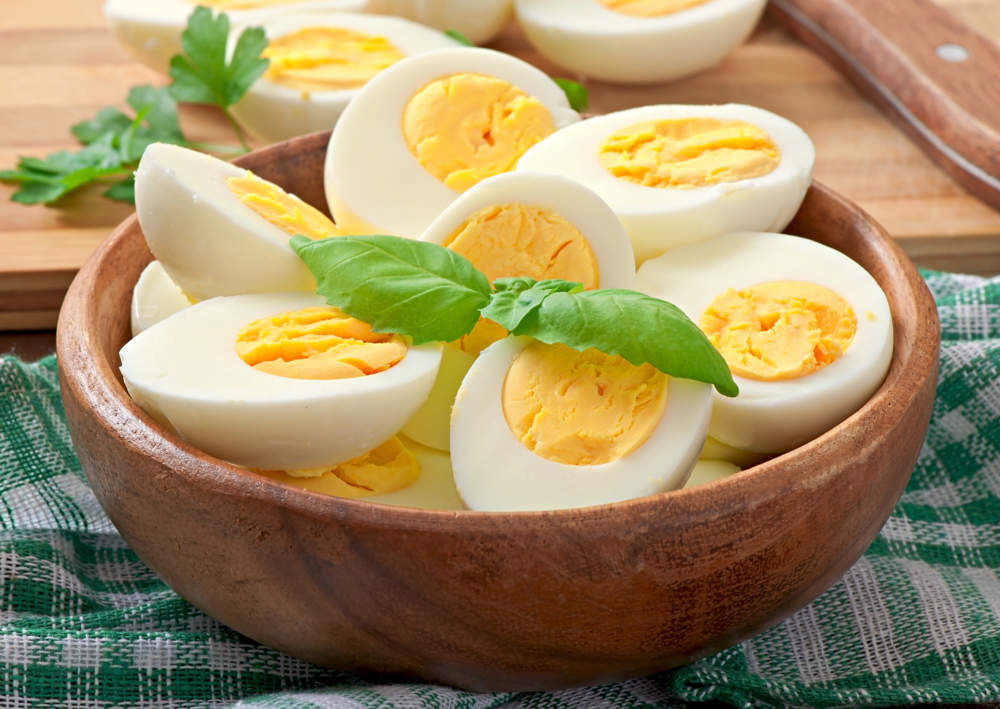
x=496, y=600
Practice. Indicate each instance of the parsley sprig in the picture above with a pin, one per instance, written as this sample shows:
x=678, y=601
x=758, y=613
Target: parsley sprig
x=113, y=141
x=431, y=293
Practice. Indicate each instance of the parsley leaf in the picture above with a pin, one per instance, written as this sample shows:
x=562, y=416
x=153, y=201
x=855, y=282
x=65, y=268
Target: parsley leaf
x=202, y=75
x=431, y=293
x=459, y=37
x=46, y=180
x=400, y=285
x=576, y=94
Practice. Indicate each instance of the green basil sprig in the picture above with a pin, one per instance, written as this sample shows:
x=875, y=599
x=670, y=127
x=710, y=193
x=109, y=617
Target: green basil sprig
x=431, y=293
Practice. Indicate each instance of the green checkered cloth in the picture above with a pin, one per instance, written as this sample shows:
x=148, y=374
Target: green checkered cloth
x=84, y=623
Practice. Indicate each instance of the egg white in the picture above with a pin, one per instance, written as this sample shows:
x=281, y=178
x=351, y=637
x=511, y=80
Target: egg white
x=275, y=112
x=154, y=298
x=775, y=416
x=209, y=242
x=660, y=218
x=151, y=29
x=479, y=20
x=593, y=41
x=184, y=371
x=495, y=471
x=373, y=183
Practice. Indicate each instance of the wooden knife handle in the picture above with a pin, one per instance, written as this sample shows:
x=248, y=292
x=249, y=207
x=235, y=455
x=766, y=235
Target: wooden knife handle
x=936, y=77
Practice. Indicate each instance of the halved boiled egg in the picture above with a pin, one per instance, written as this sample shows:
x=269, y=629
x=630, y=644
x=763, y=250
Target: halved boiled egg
x=398, y=472
x=151, y=29
x=219, y=230
x=154, y=298
x=430, y=127
x=676, y=174
x=806, y=331
x=479, y=20
x=520, y=224
x=276, y=381
x=637, y=41
x=538, y=427
x=318, y=61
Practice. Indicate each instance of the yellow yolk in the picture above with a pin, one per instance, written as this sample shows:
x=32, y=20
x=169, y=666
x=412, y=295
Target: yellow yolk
x=689, y=152
x=649, y=8
x=779, y=330
x=384, y=469
x=241, y=4
x=581, y=408
x=285, y=211
x=328, y=58
x=467, y=127
x=317, y=343
x=517, y=240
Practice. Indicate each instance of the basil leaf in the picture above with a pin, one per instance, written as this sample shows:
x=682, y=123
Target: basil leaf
x=638, y=327
x=575, y=93
x=516, y=298
x=459, y=37
x=398, y=285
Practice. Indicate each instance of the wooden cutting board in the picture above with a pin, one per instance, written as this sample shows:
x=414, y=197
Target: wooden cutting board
x=58, y=65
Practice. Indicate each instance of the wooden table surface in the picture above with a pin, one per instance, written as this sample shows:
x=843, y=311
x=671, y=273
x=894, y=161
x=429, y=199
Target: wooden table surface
x=58, y=65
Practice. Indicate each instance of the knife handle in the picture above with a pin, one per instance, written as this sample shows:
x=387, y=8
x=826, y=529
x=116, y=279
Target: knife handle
x=935, y=77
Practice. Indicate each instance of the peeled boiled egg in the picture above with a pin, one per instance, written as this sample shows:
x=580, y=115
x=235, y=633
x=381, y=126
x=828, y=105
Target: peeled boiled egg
x=479, y=20
x=637, y=41
x=430, y=127
x=520, y=224
x=276, y=381
x=398, y=472
x=538, y=427
x=318, y=61
x=154, y=298
x=151, y=29
x=219, y=230
x=677, y=174
x=806, y=331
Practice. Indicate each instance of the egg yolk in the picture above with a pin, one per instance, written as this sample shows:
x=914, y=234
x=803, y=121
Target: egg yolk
x=384, y=469
x=649, y=8
x=241, y=4
x=581, y=408
x=518, y=240
x=689, y=152
x=317, y=343
x=464, y=128
x=328, y=58
x=779, y=330
x=285, y=211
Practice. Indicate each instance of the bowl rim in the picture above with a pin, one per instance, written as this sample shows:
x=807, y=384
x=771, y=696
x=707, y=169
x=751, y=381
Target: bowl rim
x=97, y=383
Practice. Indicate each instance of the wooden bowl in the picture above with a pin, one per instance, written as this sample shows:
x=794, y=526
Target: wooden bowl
x=489, y=601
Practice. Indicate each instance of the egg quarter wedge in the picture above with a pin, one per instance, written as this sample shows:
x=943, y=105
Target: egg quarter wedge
x=661, y=217
x=185, y=372
x=274, y=111
x=373, y=182
x=495, y=471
